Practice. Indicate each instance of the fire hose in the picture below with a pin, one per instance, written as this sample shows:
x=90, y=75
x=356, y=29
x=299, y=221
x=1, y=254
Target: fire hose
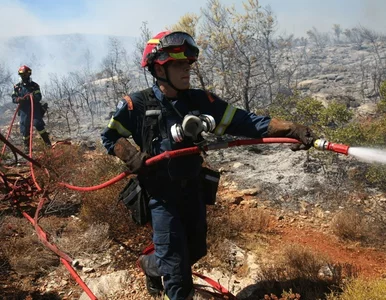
x=319, y=144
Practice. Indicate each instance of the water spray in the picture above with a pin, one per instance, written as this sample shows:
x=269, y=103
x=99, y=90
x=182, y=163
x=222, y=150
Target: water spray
x=364, y=154
x=321, y=144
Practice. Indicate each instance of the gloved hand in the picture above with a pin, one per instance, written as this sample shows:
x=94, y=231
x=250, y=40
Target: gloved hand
x=134, y=160
x=19, y=99
x=280, y=128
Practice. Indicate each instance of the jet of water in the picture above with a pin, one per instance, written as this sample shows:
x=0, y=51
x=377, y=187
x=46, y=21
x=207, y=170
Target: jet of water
x=368, y=154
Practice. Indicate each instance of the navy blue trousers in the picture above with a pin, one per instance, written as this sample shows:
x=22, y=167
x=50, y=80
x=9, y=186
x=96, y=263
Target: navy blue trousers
x=179, y=234
x=25, y=121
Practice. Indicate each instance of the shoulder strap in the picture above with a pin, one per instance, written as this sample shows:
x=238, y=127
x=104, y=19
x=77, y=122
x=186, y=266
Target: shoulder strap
x=152, y=124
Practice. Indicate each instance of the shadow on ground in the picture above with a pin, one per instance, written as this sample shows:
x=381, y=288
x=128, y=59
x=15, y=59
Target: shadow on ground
x=308, y=289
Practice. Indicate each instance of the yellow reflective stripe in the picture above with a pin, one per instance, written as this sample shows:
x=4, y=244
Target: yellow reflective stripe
x=153, y=41
x=180, y=55
x=226, y=120
x=43, y=131
x=37, y=91
x=25, y=137
x=114, y=124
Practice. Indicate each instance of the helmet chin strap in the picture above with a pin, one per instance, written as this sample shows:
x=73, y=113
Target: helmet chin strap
x=167, y=79
x=27, y=80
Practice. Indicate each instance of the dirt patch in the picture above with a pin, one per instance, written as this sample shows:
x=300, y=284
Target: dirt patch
x=370, y=262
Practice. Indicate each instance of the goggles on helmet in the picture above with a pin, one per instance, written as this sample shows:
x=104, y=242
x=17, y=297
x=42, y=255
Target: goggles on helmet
x=176, y=39
x=177, y=53
x=176, y=45
x=168, y=46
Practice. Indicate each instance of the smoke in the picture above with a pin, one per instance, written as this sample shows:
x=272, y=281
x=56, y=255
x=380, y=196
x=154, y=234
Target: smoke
x=299, y=16
x=373, y=14
x=54, y=36
x=56, y=54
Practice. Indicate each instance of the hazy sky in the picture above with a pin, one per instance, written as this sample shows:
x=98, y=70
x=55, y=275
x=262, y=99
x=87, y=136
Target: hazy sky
x=125, y=17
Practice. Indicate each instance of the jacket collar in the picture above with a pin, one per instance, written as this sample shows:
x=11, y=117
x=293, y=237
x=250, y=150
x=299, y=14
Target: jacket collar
x=158, y=93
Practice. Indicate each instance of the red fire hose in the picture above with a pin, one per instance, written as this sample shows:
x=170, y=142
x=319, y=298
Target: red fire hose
x=318, y=144
x=183, y=152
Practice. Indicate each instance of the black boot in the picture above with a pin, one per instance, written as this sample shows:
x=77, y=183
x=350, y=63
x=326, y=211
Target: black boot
x=153, y=283
x=26, y=145
x=46, y=138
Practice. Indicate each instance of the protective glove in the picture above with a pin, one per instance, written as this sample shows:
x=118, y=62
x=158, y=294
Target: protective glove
x=280, y=128
x=19, y=99
x=134, y=160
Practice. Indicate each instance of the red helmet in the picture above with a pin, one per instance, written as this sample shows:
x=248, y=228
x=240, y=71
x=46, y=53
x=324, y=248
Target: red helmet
x=24, y=70
x=167, y=46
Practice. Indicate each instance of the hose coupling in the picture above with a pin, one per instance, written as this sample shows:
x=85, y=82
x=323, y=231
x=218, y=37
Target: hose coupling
x=322, y=144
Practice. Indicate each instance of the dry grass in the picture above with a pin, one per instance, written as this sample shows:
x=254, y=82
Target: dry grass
x=75, y=238
x=73, y=165
x=23, y=251
x=225, y=225
x=102, y=205
x=62, y=163
x=361, y=289
x=300, y=270
x=302, y=262
x=357, y=226
x=77, y=242
x=349, y=225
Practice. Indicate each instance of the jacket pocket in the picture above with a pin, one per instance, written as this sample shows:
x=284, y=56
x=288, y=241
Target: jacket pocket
x=210, y=180
x=136, y=199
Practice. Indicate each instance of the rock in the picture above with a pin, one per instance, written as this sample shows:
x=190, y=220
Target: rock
x=306, y=84
x=251, y=192
x=328, y=77
x=106, y=285
x=325, y=272
x=88, y=270
x=237, y=165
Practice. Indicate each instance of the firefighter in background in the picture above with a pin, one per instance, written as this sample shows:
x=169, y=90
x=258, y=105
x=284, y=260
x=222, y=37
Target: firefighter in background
x=20, y=95
x=177, y=204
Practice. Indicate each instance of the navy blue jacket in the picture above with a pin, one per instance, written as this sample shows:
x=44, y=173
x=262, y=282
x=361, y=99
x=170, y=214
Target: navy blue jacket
x=21, y=89
x=127, y=122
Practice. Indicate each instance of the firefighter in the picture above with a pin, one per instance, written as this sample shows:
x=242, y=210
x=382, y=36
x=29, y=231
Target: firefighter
x=177, y=206
x=20, y=95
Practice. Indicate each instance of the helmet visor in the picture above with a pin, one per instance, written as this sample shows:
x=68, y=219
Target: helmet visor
x=176, y=39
